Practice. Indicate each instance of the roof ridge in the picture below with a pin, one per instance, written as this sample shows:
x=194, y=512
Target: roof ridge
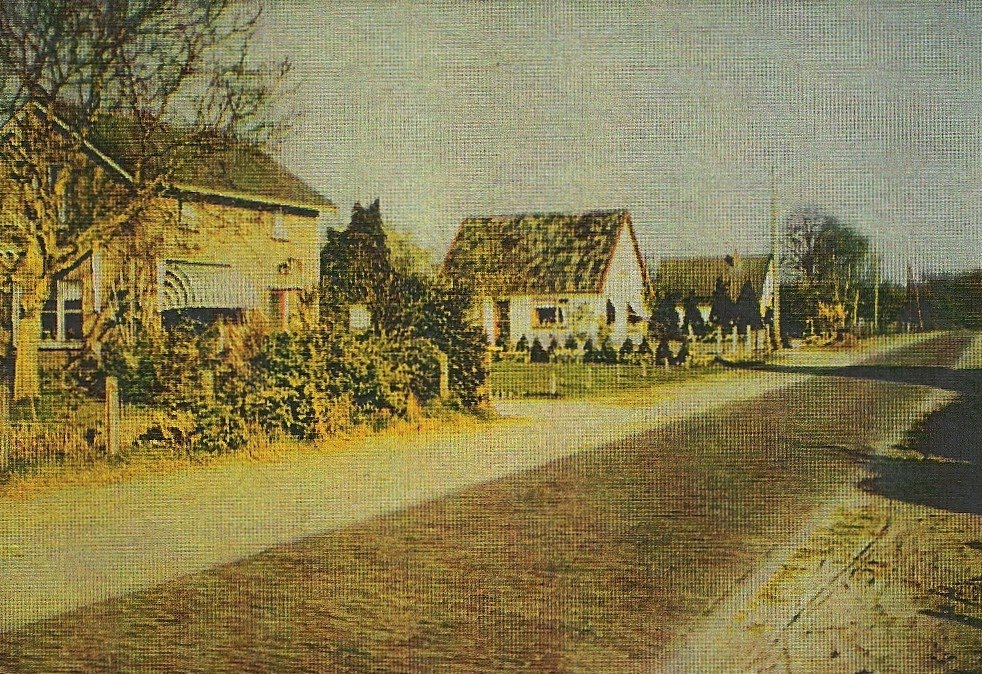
x=271, y=187
x=569, y=214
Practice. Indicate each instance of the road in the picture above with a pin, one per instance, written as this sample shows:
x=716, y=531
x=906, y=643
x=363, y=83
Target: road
x=586, y=541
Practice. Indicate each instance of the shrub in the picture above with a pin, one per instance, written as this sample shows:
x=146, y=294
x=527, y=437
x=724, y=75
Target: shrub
x=663, y=354
x=217, y=428
x=589, y=351
x=571, y=343
x=626, y=350
x=608, y=354
x=522, y=345
x=414, y=306
x=538, y=354
x=683, y=355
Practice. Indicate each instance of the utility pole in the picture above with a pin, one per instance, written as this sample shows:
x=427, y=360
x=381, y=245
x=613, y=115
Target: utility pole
x=914, y=300
x=775, y=266
x=876, y=291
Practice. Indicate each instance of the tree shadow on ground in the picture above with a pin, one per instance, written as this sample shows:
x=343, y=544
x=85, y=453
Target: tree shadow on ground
x=959, y=618
x=964, y=382
x=949, y=476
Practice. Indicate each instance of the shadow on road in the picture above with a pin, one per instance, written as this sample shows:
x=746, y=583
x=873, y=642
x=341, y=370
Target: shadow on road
x=950, y=474
x=964, y=382
x=959, y=618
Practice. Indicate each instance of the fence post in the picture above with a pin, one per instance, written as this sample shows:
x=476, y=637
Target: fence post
x=5, y=397
x=112, y=416
x=553, y=384
x=444, y=375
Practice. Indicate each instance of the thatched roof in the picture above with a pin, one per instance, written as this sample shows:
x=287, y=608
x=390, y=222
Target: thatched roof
x=537, y=252
x=698, y=275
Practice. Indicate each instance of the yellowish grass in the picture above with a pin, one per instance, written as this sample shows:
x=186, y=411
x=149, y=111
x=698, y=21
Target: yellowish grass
x=45, y=478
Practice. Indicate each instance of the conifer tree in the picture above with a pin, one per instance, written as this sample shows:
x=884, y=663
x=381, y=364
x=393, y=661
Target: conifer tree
x=692, y=318
x=721, y=311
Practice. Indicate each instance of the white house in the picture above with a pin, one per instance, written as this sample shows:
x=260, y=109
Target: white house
x=681, y=277
x=554, y=275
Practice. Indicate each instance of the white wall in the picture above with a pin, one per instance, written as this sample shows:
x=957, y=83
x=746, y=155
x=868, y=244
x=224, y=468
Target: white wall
x=581, y=313
x=624, y=285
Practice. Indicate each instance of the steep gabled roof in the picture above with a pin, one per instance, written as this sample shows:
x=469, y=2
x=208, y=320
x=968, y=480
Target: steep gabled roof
x=682, y=275
x=226, y=167
x=538, y=252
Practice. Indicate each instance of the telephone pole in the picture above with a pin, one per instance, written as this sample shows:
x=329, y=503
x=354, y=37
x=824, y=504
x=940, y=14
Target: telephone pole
x=775, y=266
x=876, y=291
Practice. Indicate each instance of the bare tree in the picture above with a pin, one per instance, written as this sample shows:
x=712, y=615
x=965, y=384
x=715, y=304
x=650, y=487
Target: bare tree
x=828, y=262
x=172, y=80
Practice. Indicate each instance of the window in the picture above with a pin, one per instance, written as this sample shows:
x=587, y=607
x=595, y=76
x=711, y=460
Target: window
x=359, y=318
x=279, y=226
x=61, y=316
x=552, y=314
x=190, y=216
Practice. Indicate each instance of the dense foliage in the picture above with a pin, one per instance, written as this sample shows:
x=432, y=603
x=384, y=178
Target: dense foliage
x=414, y=313
x=355, y=264
x=951, y=301
x=830, y=270
x=433, y=310
x=664, y=321
x=218, y=387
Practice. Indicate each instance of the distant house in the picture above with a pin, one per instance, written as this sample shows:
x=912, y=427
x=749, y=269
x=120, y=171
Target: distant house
x=553, y=275
x=233, y=232
x=679, y=277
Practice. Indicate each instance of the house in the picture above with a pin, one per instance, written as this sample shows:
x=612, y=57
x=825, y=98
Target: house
x=698, y=276
x=232, y=234
x=553, y=275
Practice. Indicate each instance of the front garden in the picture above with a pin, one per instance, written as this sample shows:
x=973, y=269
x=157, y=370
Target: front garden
x=196, y=390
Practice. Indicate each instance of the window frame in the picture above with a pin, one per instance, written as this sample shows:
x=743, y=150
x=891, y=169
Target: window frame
x=279, y=231
x=559, y=306
x=57, y=305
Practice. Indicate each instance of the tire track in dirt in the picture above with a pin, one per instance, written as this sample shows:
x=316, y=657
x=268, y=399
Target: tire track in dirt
x=760, y=629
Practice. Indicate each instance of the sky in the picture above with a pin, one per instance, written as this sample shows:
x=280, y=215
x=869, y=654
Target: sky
x=678, y=112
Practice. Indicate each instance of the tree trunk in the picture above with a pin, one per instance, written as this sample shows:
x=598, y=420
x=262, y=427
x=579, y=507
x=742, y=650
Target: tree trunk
x=27, y=378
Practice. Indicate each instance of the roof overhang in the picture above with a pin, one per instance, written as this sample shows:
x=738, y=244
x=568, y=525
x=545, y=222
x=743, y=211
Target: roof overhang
x=111, y=163
x=253, y=198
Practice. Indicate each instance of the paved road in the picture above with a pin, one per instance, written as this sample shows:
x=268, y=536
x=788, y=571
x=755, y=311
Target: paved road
x=592, y=561
x=126, y=537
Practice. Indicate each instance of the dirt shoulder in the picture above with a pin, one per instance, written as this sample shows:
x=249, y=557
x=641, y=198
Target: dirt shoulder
x=888, y=577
